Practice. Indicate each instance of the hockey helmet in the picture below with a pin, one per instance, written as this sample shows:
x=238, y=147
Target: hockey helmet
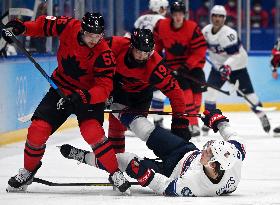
x=155, y=5
x=218, y=10
x=143, y=40
x=223, y=152
x=178, y=6
x=93, y=23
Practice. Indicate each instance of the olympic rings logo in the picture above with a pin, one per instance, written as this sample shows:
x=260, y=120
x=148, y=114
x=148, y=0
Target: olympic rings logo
x=21, y=99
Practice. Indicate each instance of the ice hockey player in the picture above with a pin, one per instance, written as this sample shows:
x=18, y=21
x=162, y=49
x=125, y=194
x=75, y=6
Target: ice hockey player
x=185, y=170
x=86, y=66
x=139, y=71
x=185, y=49
x=230, y=60
x=275, y=63
x=158, y=10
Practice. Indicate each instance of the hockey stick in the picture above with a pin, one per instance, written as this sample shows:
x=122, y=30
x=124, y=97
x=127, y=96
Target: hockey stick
x=29, y=56
x=205, y=84
x=256, y=107
x=28, y=117
x=49, y=183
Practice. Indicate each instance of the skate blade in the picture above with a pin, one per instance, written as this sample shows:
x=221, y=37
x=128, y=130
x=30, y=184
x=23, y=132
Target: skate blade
x=276, y=134
x=21, y=189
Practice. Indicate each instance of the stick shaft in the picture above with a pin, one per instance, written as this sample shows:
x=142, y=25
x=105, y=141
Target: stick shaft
x=49, y=183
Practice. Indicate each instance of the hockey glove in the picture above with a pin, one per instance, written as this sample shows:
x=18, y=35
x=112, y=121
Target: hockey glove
x=138, y=170
x=76, y=101
x=179, y=127
x=17, y=29
x=212, y=118
x=275, y=61
x=225, y=71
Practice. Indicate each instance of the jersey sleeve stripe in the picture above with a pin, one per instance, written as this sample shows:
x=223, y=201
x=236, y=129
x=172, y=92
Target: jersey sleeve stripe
x=51, y=28
x=45, y=27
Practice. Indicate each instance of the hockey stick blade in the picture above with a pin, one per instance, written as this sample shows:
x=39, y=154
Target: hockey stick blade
x=49, y=183
x=25, y=118
x=266, y=109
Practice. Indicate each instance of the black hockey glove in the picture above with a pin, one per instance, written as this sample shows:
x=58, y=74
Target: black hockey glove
x=213, y=118
x=17, y=29
x=76, y=101
x=138, y=170
x=179, y=127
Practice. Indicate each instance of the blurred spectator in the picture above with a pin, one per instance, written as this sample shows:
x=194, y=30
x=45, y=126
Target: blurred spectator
x=259, y=17
x=190, y=14
x=202, y=14
x=38, y=45
x=231, y=8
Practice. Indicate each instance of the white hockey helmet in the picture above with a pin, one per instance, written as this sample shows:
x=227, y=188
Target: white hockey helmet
x=225, y=153
x=219, y=10
x=155, y=5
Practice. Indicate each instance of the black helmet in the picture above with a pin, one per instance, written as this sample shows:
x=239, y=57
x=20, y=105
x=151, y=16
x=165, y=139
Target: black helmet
x=93, y=23
x=142, y=39
x=178, y=6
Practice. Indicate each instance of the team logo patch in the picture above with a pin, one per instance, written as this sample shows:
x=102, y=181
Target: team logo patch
x=51, y=18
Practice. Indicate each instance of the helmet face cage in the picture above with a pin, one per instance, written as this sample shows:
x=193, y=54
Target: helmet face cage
x=142, y=40
x=178, y=6
x=224, y=153
x=156, y=5
x=93, y=23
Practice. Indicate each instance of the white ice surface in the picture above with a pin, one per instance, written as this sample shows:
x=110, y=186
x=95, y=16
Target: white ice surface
x=260, y=182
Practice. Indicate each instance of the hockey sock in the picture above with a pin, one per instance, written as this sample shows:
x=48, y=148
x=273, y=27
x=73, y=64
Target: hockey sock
x=38, y=133
x=197, y=101
x=94, y=135
x=190, y=106
x=116, y=134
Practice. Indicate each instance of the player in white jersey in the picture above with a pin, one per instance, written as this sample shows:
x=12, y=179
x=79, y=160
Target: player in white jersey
x=275, y=64
x=230, y=60
x=185, y=170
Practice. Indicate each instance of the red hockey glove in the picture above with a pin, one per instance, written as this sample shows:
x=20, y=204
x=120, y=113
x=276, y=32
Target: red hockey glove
x=225, y=71
x=179, y=127
x=213, y=118
x=275, y=61
x=17, y=29
x=138, y=170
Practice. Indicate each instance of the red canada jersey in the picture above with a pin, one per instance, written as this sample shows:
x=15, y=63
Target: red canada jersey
x=152, y=74
x=184, y=46
x=79, y=67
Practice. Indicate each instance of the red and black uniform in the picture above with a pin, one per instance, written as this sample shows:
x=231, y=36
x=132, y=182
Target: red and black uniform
x=185, y=50
x=134, y=85
x=79, y=68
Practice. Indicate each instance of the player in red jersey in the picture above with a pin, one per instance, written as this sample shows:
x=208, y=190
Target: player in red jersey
x=139, y=70
x=85, y=70
x=185, y=49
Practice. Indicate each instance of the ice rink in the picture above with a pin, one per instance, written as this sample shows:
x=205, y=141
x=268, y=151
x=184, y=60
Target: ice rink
x=260, y=183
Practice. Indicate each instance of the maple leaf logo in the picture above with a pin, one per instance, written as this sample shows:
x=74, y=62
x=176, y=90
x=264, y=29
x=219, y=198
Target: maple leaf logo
x=177, y=49
x=72, y=67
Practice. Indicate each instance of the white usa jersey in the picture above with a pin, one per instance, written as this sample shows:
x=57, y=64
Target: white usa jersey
x=148, y=21
x=189, y=179
x=225, y=48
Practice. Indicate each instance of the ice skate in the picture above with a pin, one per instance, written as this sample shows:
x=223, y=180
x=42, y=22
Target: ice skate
x=205, y=130
x=120, y=182
x=265, y=122
x=71, y=152
x=276, y=132
x=20, y=182
x=195, y=131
